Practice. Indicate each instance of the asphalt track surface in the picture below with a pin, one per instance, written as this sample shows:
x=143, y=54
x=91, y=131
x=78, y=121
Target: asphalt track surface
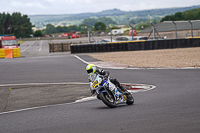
x=172, y=107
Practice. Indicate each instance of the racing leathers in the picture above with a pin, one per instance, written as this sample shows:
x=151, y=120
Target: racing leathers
x=113, y=80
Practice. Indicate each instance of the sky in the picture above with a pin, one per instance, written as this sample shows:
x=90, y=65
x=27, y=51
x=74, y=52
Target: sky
x=37, y=7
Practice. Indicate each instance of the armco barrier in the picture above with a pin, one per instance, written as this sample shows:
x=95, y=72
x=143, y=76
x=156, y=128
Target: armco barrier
x=10, y=53
x=135, y=45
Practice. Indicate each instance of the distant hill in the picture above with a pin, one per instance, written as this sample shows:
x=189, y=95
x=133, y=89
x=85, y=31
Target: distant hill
x=64, y=16
x=111, y=12
x=120, y=17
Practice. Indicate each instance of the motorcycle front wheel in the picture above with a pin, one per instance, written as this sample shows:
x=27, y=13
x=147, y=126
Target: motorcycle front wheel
x=107, y=99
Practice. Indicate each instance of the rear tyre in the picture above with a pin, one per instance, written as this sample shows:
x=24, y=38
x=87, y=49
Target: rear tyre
x=108, y=100
x=130, y=99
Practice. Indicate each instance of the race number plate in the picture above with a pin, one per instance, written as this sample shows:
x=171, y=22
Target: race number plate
x=95, y=84
x=111, y=86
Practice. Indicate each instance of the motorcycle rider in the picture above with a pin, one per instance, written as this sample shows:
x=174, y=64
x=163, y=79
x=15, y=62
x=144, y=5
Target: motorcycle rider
x=93, y=71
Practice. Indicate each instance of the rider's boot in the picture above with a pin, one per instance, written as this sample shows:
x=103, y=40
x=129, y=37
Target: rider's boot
x=120, y=87
x=122, y=90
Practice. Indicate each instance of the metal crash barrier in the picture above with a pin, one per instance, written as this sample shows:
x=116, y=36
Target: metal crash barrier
x=135, y=45
x=10, y=53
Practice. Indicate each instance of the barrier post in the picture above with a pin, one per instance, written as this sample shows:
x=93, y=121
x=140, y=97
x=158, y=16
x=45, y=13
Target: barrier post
x=53, y=47
x=62, y=46
x=49, y=47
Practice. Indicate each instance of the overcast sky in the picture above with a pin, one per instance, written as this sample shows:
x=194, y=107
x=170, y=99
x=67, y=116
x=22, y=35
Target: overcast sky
x=35, y=7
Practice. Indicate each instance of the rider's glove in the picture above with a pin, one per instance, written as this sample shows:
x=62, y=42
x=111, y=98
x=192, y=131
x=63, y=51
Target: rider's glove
x=106, y=76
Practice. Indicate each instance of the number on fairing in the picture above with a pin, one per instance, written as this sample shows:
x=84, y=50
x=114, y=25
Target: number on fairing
x=95, y=84
x=111, y=86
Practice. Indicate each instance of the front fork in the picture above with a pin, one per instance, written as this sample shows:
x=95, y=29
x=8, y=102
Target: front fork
x=106, y=90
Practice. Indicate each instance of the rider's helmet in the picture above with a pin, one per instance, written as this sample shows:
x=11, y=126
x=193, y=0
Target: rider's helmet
x=91, y=69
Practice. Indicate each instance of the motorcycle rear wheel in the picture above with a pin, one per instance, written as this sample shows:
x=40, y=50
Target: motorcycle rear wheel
x=108, y=100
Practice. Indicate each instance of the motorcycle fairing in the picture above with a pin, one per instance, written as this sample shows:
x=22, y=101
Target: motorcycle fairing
x=99, y=85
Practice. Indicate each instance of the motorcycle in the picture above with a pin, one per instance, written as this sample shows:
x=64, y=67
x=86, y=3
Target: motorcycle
x=108, y=92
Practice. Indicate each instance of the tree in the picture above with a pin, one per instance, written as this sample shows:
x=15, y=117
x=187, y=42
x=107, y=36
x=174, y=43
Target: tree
x=115, y=27
x=15, y=24
x=59, y=29
x=26, y=26
x=89, y=21
x=92, y=21
x=50, y=29
x=178, y=16
x=193, y=14
x=8, y=24
x=132, y=21
x=99, y=26
x=106, y=20
x=166, y=18
x=3, y=22
x=142, y=26
x=82, y=27
x=37, y=33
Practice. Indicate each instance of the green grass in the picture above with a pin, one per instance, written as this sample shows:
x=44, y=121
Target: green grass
x=20, y=42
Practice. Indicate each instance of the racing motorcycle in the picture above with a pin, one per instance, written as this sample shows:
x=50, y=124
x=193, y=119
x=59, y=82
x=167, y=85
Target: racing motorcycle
x=108, y=92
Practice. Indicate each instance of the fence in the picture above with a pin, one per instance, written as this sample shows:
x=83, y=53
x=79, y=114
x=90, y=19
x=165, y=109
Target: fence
x=62, y=47
x=43, y=38
x=56, y=38
x=135, y=45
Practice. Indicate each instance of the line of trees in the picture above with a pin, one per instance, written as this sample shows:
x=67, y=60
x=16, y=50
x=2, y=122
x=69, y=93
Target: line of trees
x=193, y=14
x=100, y=24
x=98, y=27
x=15, y=24
x=92, y=21
x=51, y=29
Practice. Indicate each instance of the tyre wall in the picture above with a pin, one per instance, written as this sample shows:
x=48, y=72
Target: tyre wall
x=135, y=45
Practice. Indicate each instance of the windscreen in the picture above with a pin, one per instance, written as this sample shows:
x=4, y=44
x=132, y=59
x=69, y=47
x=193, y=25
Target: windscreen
x=9, y=42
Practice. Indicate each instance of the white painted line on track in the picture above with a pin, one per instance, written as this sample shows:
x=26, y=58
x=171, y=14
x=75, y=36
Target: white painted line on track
x=62, y=83
x=96, y=65
x=84, y=60
x=165, y=68
x=136, y=68
x=20, y=110
x=77, y=101
x=151, y=87
x=40, y=45
x=81, y=59
x=4, y=85
x=28, y=47
x=86, y=99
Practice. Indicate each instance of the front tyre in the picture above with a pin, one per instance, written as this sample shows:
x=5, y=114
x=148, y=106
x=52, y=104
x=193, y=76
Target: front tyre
x=107, y=99
x=130, y=99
